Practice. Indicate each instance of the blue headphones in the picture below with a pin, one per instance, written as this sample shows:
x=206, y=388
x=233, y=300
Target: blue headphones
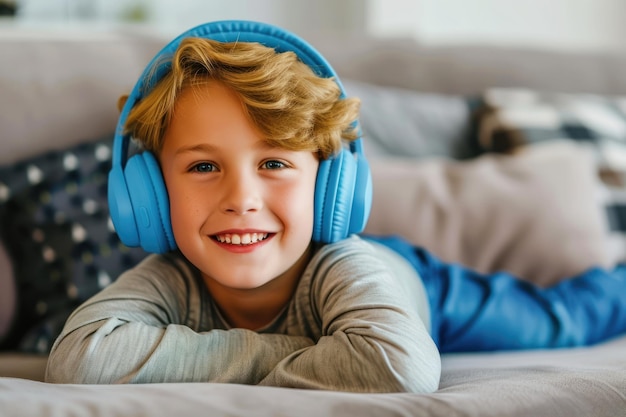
x=138, y=200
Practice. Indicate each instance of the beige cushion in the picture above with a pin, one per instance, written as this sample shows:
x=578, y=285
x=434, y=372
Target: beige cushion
x=535, y=214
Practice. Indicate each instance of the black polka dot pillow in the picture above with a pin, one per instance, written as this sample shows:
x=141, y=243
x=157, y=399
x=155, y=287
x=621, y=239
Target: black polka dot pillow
x=55, y=226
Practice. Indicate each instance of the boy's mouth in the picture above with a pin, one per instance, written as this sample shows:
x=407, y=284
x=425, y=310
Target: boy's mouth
x=241, y=239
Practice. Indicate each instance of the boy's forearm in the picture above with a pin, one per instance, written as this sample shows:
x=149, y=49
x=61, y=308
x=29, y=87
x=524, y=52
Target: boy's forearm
x=355, y=362
x=115, y=351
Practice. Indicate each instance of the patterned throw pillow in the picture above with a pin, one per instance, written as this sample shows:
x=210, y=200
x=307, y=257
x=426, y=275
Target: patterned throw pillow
x=54, y=223
x=508, y=119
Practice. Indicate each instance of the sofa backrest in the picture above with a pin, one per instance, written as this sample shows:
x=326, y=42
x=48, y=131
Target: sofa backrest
x=60, y=87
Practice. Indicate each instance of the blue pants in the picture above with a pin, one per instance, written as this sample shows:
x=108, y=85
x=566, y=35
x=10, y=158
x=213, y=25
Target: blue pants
x=476, y=312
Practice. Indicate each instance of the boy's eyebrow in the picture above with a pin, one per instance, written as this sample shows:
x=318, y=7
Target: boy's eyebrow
x=200, y=147
x=206, y=147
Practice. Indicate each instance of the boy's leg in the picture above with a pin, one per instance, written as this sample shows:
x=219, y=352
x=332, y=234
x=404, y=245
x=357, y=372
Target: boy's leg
x=473, y=312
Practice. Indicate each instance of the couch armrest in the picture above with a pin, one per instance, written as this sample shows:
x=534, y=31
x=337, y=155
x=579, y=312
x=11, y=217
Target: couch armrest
x=22, y=365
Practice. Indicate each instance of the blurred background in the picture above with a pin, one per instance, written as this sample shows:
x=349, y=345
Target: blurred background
x=589, y=25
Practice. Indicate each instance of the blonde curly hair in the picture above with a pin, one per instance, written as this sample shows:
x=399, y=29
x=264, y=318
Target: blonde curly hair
x=291, y=106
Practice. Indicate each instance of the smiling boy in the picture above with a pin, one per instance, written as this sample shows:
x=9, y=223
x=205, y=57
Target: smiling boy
x=249, y=294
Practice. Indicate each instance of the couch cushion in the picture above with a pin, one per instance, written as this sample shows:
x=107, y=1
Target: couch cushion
x=55, y=225
x=402, y=122
x=535, y=214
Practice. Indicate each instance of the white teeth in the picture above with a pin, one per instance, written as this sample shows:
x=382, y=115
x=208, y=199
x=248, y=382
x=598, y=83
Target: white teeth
x=244, y=239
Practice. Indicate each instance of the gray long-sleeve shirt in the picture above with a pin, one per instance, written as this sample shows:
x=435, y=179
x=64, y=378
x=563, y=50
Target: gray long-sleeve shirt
x=358, y=321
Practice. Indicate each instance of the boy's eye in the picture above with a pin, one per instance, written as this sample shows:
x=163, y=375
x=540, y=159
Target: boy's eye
x=273, y=164
x=203, y=167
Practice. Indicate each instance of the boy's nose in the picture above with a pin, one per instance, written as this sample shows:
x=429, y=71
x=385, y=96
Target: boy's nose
x=241, y=195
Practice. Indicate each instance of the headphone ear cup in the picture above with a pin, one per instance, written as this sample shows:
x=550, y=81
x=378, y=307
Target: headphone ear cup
x=334, y=194
x=121, y=208
x=363, y=194
x=150, y=203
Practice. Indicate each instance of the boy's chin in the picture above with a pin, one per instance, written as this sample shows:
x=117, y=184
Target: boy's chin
x=239, y=283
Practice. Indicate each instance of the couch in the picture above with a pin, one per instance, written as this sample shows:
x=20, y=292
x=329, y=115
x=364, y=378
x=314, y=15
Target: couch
x=497, y=158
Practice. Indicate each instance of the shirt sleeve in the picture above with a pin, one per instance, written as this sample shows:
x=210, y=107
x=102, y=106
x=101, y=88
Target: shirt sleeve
x=372, y=338
x=140, y=329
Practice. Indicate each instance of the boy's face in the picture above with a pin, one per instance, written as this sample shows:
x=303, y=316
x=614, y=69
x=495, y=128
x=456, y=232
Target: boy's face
x=242, y=212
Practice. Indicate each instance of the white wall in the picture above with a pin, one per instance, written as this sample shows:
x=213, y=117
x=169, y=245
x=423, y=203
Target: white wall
x=560, y=24
x=341, y=16
x=303, y=16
